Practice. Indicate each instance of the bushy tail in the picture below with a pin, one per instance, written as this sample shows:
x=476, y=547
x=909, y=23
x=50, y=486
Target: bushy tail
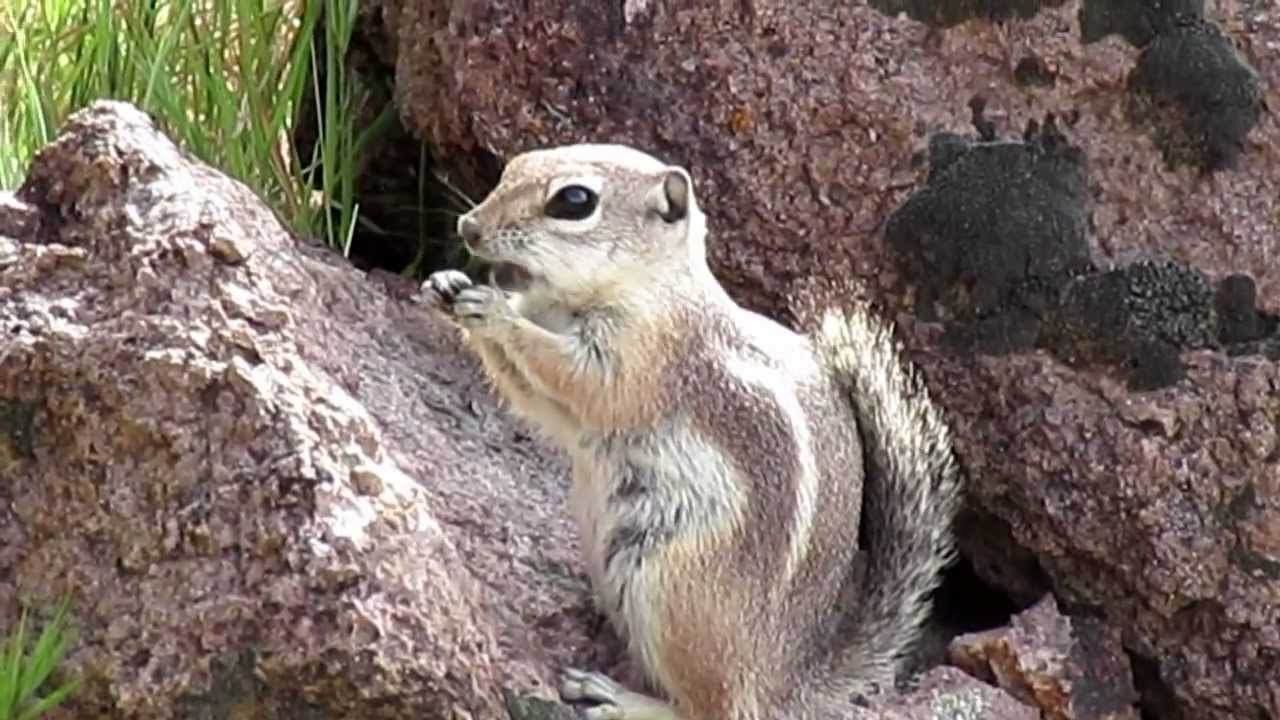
x=911, y=494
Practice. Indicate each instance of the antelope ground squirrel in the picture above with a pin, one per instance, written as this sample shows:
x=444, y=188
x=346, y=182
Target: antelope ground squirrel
x=719, y=458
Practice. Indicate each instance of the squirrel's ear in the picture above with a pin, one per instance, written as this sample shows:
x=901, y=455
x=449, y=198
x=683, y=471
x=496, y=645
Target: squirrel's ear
x=671, y=198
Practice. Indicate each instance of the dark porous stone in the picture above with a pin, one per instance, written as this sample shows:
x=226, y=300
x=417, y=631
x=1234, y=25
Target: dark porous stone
x=1137, y=21
x=1197, y=95
x=997, y=229
x=1031, y=71
x=948, y=13
x=1140, y=316
x=1239, y=320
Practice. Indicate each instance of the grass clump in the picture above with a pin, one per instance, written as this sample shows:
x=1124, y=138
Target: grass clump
x=26, y=668
x=224, y=78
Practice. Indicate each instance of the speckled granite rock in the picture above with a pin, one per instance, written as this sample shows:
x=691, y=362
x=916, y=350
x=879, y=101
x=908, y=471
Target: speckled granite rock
x=947, y=693
x=805, y=124
x=1068, y=668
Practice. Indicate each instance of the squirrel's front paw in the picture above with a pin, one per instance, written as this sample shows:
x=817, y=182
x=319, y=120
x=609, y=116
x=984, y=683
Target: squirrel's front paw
x=471, y=306
x=480, y=305
x=442, y=287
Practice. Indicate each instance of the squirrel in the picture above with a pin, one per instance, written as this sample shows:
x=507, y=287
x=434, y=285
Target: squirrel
x=719, y=458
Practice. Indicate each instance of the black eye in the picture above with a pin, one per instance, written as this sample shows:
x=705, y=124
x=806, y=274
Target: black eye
x=572, y=202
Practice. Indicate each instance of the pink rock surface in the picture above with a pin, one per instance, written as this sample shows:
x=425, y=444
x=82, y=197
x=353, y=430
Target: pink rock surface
x=1067, y=668
x=804, y=123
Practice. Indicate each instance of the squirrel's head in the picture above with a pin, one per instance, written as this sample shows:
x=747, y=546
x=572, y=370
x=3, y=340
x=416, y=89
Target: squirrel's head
x=587, y=218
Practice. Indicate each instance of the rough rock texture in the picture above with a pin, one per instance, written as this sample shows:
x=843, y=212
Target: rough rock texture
x=1137, y=21
x=271, y=485
x=1161, y=510
x=1197, y=95
x=995, y=246
x=1143, y=474
x=946, y=693
x=805, y=124
x=1068, y=668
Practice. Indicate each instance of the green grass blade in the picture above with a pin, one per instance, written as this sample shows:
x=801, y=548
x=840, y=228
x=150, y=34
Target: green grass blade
x=225, y=79
x=10, y=673
x=50, y=701
x=23, y=675
x=49, y=650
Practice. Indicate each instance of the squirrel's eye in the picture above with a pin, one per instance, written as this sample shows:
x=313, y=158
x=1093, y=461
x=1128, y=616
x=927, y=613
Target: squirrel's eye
x=571, y=202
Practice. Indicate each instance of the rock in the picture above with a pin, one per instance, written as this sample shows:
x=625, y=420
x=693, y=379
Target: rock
x=947, y=13
x=806, y=124
x=1142, y=474
x=1137, y=21
x=17, y=219
x=1160, y=510
x=271, y=485
x=1069, y=668
x=995, y=232
x=1198, y=94
x=946, y=692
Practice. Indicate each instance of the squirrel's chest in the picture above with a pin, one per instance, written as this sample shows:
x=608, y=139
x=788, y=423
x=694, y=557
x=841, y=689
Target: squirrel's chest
x=594, y=480
x=634, y=495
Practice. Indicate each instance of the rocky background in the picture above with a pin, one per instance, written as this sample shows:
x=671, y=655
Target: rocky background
x=276, y=488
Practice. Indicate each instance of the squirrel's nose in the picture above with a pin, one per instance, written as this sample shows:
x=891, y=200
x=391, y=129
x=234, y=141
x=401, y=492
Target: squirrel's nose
x=469, y=229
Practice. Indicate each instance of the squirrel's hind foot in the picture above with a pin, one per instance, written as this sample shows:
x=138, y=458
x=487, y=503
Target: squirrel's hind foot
x=610, y=701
